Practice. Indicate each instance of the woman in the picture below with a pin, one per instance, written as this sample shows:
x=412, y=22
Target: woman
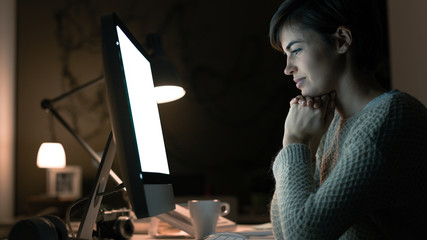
x=354, y=162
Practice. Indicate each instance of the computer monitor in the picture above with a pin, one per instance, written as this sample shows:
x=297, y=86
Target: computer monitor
x=135, y=120
x=136, y=128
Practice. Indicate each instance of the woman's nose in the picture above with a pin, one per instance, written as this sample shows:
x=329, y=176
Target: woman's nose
x=290, y=68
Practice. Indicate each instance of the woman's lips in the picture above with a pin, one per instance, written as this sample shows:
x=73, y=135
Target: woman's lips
x=299, y=82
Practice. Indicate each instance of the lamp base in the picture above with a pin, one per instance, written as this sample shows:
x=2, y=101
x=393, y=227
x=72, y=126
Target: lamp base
x=64, y=182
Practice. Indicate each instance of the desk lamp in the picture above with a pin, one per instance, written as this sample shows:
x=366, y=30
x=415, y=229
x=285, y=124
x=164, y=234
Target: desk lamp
x=167, y=83
x=51, y=155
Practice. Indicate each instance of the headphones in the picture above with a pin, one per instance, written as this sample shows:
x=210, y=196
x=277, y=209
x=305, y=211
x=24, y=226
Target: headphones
x=39, y=228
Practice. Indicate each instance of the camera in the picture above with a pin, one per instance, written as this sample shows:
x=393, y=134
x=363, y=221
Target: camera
x=114, y=224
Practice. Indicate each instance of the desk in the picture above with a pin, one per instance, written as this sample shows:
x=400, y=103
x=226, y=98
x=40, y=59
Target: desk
x=168, y=232
x=141, y=229
x=254, y=231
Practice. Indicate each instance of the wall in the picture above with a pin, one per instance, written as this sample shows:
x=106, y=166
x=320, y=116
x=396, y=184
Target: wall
x=229, y=124
x=7, y=106
x=408, y=46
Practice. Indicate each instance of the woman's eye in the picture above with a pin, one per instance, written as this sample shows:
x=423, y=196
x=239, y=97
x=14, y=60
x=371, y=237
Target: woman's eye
x=296, y=51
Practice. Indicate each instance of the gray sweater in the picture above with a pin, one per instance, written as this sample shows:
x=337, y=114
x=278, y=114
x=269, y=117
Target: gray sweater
x=369, y=180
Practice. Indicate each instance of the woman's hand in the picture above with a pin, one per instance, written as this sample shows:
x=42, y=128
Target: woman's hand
x=308, y=118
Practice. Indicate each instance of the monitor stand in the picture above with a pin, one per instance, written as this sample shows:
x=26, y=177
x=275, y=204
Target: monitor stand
x=92, y=207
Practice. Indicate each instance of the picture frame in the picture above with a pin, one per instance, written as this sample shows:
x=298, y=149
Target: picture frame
x=65, y=182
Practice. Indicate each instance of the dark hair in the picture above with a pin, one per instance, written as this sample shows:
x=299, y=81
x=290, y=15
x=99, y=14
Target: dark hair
x=325, y=16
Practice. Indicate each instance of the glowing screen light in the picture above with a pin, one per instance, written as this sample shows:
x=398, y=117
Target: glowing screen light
x=145, y=114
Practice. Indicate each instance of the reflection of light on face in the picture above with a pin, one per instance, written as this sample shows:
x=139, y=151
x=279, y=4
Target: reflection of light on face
x=314, y=65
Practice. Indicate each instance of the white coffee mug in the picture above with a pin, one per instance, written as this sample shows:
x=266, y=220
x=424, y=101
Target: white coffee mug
x=204, y=215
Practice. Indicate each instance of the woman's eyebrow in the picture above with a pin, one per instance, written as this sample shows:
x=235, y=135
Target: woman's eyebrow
x=292, y=43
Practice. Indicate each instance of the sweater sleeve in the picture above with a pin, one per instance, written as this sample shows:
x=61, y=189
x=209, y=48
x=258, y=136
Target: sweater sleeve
x=286, y=174
x=304, y=211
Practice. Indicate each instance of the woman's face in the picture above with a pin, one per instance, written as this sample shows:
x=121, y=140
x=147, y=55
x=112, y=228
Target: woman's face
x=314, y=65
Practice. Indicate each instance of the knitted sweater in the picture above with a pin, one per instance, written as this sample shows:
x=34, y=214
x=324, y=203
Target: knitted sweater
x=369, y=180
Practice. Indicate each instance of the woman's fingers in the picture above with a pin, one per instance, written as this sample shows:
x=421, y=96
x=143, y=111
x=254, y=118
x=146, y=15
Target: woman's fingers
x=317, y=102
x=298, y=100
x=323, y=101
x=293, y=101
x=309, y=101
x=314, y=102
x=301, y=100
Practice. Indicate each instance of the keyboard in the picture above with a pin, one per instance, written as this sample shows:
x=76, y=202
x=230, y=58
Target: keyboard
x=226, y=236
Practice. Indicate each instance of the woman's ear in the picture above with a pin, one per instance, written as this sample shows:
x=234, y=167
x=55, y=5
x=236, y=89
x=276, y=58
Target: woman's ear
x=344, y=39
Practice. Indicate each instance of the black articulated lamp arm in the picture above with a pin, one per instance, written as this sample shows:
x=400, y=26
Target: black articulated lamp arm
x=47, y=105
x=77, y=89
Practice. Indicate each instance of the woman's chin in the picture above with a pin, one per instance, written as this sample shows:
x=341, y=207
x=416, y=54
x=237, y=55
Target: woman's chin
x=308, y=93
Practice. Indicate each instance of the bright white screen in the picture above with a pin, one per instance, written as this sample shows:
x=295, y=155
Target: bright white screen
x=145, y=114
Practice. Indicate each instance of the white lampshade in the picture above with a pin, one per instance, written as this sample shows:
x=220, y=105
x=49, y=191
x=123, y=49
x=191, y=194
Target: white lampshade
x=164, y=94
x=51, y=155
